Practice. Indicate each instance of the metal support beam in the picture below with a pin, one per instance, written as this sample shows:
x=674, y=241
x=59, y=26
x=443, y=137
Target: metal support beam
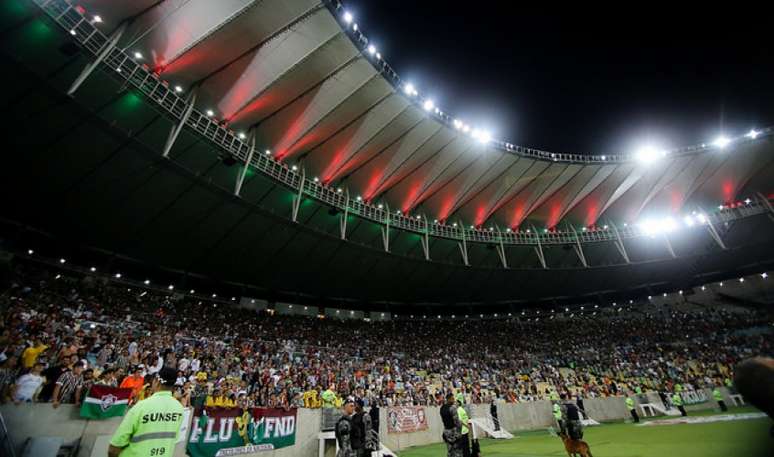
x=578, y=248
x=767, y=204
x=106, y=48
x=241, y=178
x=619, y=243
x=669, y=246
x=501, y=249
x=539, y=249
x=177, y=128
x=715, y=235
x=425, y=240
x=343, y=220
x=463, y=245
x=299, y=196
x=386, y=231
x=712, y=231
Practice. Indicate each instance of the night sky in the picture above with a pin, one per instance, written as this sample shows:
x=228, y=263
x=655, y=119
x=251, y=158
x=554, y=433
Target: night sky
x=584, y=79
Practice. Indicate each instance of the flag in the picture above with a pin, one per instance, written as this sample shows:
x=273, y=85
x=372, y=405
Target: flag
x=102, y=402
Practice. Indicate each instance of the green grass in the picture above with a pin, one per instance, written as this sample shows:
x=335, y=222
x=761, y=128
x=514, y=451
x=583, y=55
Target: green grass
x=743, y=438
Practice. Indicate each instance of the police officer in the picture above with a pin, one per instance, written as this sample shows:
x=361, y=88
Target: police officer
x=361, y=431
x=343, y=430
x=572, y=419
x=452, y=427
x=150, y=428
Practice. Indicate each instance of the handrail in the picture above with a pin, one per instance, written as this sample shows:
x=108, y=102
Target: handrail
x=360, y=41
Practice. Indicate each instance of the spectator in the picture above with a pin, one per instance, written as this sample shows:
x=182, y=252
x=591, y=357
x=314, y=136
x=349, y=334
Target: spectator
x=25, y=388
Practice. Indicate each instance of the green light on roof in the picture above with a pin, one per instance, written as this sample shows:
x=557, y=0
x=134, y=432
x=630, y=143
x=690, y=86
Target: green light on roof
x=129, y=102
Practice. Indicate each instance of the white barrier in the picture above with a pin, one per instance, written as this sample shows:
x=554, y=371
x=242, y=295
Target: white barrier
x=36, y=420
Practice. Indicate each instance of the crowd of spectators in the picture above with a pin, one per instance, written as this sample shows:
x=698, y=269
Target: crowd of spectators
x=62, y=332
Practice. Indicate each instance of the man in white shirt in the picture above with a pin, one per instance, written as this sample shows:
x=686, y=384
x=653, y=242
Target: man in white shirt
x=25, y=387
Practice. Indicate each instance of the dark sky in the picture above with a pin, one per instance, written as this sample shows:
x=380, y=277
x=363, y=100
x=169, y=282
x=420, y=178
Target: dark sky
x=585, y=78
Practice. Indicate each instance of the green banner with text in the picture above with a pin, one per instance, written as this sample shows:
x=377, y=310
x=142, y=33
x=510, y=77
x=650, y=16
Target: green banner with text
x=217, y=432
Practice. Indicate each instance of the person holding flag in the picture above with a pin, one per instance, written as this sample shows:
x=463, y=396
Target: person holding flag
x=151, y=427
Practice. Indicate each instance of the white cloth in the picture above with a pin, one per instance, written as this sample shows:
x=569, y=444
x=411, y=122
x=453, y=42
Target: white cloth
x=26, y=386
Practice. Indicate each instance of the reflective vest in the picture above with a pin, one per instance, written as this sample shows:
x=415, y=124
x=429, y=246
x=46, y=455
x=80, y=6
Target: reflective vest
x=630, y=403
x=463, y=415
x=150, y=428
x=557, y=412
x=718, y=396
x=677, y=400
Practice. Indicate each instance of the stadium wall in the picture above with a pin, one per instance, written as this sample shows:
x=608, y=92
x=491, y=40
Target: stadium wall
x=41, y=419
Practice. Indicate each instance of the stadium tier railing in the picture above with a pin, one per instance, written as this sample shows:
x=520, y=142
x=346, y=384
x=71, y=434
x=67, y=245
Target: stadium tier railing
x=120, y=64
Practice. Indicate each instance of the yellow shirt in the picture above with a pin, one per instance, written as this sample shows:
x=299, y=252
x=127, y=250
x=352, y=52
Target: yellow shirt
x=310, y=398
x=30, y=355
x=221, y=401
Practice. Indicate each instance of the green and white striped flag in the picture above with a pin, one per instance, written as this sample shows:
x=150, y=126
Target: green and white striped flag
x=102, y=402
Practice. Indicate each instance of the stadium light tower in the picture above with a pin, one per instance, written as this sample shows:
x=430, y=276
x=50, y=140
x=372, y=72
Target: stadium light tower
x=649, y=154
x=721, y=141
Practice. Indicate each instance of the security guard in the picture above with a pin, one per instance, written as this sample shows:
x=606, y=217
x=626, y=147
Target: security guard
x=719, y=398
x=151, y=427
x=558, y=418
x=677, y=401
x=632, y=409
x=462, y=415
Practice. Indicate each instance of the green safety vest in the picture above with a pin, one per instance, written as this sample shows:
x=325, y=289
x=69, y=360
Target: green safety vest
x=460, y=398
x=328, y=398
x=554, y=396
x=638, y=390
x=630, y=403
x=463, y=416
x=557, y=412
x=150, y=428
x=677, y=400
x=718, y=396
x=678, y=387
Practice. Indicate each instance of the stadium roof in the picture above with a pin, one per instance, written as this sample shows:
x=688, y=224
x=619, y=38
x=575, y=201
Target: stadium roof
x=295, y=78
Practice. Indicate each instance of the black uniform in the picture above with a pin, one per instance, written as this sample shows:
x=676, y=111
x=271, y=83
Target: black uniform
x=344, y=437
x=452, y=430
x=495, y=419
x=572, y=419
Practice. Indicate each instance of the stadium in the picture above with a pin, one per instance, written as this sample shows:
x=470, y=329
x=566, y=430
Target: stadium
x=242, y=203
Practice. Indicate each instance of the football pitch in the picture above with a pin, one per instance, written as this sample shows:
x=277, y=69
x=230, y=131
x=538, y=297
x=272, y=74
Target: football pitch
x=743, y=438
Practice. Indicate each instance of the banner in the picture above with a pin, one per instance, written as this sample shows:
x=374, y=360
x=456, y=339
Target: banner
x=102, y=402
x=232, y=431
x=694, y=397
x=406, y=419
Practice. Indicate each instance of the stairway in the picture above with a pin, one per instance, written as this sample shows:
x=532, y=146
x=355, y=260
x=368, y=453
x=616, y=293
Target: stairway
x=486, y=424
